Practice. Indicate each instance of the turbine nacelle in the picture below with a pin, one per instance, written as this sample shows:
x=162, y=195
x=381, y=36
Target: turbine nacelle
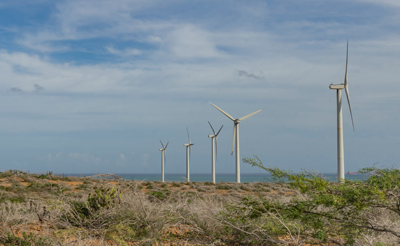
x=337, y=87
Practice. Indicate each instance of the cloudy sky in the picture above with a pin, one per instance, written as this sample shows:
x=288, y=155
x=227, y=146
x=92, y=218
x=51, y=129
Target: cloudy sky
x=93, y=85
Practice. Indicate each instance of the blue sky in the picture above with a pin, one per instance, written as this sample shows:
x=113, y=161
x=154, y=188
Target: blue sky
x=93, y=85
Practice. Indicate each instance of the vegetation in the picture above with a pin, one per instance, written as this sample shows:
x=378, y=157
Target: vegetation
x=338, y=212
x=305, y=209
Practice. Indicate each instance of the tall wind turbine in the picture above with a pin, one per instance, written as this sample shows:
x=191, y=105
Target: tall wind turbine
x=188, y=149
x=163, y=158
x=338, y=88
x=236, y=137
x=213, y=140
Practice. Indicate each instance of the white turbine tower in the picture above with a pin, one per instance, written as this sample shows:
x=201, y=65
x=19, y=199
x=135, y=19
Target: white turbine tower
x=214, y=140
x=236, y=137
x=338, y=88
x=188, y=149
x=163, y=159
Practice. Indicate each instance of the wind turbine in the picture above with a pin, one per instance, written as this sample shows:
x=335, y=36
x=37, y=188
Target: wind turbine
x=338, y=88
x=163, y=159
x=188, y=149
x=236, y=137
x=213, y=140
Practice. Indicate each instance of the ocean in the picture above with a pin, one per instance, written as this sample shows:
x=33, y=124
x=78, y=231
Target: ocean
x=195, y=177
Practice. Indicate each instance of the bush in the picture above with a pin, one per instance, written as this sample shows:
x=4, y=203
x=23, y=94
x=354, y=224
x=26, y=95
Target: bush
x=174, y=184
x=94, y=212
x=13, y=199
x=255, y=221
x=104, y=197
x=223, y=187
x=27, y=239
x=159, y=195
x=345, y=210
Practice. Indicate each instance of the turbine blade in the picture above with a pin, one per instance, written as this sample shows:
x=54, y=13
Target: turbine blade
x=162, y=144
x=347, y=61
x=225, y=113
x=166, y=145
x=233, y=138
x=348, y=101
x=219, y=130
x=211, y=128
x=188, y=134
x=165, y=158
x=247, y=116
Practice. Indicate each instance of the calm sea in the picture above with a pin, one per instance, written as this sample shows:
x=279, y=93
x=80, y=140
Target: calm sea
x=245, y=177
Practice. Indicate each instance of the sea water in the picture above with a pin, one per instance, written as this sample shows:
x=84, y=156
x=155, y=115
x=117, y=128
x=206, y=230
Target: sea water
x=196, y=177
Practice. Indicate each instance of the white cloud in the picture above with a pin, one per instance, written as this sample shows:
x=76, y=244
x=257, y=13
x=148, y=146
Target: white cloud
x=393, y=3
x=85, y=157
x=54, y=157
x=125, y=52
x=191, y=42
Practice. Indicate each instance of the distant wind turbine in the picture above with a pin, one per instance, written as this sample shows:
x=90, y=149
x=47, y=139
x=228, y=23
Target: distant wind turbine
x=236, y=137
x=188, y=150
x=163, y=159
x=340, y=149
x=214, y=140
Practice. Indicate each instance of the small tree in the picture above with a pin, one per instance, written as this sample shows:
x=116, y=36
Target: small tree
x=347, y=209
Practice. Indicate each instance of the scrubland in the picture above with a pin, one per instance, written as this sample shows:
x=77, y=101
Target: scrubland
x=48, y=209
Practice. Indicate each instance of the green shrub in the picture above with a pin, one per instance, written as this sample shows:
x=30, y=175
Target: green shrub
x=201, y=190
x=13, y=199
x=48, y=175
x=81, y=209
x=242, y=187
x=159, y=195
x=223, y=187
x=104, y=197
x=149, y=185
x=27, y=239
x=346, y=210
x=82, y=187
x=11, y=173
x=34, y=186
x=254, y=221
x=174, y=184
x=89, y=213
